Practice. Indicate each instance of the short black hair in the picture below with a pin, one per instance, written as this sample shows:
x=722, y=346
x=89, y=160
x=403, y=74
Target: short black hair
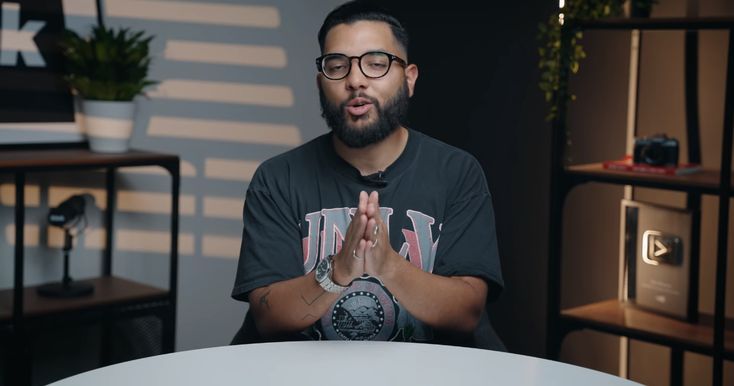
x=361, y=10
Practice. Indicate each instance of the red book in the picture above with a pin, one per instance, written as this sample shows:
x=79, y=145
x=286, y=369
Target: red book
x=626, y=164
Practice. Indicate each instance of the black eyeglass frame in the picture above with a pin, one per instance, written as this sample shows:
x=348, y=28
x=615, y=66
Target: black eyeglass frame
x=391, y=57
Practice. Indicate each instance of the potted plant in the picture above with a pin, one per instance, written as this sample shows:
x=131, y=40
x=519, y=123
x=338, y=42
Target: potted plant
x=106, y=71
x=549, y=36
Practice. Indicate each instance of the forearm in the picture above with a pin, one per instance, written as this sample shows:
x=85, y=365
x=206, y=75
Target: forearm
x=289, y=306
x=293, y=305
x=445, y=303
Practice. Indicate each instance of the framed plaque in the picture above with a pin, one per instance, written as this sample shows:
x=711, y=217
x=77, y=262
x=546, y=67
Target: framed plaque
x=657, y=249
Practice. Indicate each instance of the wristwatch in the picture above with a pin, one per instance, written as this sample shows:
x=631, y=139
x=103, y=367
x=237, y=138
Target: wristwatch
x=324, y=271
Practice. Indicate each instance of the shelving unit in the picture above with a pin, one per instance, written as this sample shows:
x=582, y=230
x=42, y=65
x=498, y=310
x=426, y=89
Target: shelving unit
x=710, y=335
x=22, y=311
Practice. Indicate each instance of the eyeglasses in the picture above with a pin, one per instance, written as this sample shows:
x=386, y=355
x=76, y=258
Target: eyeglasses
x=374, y=64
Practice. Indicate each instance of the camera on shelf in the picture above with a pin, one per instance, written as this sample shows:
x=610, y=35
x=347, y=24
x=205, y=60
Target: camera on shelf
x=656, y=150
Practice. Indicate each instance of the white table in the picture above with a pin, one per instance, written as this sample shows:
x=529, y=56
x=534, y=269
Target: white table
x=341, y=363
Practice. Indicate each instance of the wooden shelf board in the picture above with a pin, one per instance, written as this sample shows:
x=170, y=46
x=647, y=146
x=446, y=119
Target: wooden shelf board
x=705, y=179
x=656, y=23
x=107, y=291
x=45, y=159
x=626, y=319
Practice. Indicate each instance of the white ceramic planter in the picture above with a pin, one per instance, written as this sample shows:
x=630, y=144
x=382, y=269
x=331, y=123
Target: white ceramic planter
x=108, y=125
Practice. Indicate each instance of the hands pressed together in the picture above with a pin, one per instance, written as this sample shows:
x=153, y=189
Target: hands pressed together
x=366, y=247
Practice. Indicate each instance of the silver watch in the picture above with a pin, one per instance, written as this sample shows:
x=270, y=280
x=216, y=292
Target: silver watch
x=324, y=271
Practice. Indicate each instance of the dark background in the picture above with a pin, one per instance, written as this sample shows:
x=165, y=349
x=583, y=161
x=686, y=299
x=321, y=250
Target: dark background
x=477, y=90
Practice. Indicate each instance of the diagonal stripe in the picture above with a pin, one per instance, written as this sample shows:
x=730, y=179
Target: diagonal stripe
x=79, y=8
x=135, y=240
x=32, y=195
x=187, y=170
x=94, y=239
x=149, y=202
x=226, y=169
x=223, y=207
x=225, y=92
x=230, y=131
x=128, y=201
x=57, y=194
x=31, y=235
x=201, y=12
x=49, y=127
x=218, y=53
x=220, y=246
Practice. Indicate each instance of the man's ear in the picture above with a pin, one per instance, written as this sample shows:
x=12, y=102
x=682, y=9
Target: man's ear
x=411, y=76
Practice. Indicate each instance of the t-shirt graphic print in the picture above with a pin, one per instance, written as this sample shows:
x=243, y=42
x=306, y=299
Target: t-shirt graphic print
x=367, y=310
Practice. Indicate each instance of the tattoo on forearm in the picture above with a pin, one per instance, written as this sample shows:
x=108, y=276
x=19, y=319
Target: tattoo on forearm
x=312, y=301
x=308, y=316
x=264, y=299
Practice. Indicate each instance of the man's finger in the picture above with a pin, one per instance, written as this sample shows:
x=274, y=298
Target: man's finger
x=359, y=225
x=363, y=198
x=355, y=231
x=361, y=249
x=373, y=198
x=369, y=232
x=373, y=211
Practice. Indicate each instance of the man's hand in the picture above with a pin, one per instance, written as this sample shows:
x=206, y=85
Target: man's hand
x=449, y=303
x=292, y=305
x=380, y=258
x=349, y=263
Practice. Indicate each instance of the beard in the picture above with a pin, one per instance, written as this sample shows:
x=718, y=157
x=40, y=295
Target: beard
x=389, y=118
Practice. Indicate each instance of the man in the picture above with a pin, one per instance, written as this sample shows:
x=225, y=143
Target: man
x=415, y=259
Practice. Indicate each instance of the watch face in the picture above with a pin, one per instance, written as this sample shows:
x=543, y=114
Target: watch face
x=322, y=269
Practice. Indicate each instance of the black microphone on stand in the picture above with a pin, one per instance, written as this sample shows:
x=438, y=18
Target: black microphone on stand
x=70, y=211
x=68, y=215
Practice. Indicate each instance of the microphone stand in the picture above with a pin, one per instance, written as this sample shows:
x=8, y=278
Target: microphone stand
x=67, y=288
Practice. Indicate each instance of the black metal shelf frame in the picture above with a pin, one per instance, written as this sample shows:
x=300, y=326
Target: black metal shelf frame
x=574, y=325
x=562, y=182
x=162, y=306
x=574, y=179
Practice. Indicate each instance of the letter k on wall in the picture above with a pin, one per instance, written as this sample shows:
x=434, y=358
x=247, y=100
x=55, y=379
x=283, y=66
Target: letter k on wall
x=16, y=41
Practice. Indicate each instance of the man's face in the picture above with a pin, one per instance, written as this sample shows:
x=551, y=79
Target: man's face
x=360, y=110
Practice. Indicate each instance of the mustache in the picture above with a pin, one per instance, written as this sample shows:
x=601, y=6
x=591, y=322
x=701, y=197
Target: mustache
x=372, y=100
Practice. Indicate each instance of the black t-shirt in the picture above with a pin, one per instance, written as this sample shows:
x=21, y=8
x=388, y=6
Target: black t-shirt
x=436, y=205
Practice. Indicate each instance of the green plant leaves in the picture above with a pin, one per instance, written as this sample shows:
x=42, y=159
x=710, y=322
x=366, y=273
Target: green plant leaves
x=550, y=51
x=109, y=64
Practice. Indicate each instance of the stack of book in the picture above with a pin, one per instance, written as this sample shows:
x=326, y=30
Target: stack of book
x=626, y=164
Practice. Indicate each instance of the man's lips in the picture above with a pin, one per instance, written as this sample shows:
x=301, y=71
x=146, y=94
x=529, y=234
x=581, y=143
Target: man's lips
x=358, y=106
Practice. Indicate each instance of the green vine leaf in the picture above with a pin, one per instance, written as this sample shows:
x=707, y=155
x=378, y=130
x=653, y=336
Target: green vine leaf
x=549, y=37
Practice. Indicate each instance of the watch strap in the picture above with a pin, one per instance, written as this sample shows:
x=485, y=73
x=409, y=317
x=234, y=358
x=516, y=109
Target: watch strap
x=327, y=283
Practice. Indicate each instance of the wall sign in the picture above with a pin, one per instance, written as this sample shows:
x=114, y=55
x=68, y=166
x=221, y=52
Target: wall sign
x=32, y=90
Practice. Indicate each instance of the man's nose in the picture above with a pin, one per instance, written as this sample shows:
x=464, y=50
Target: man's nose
x=355, y=78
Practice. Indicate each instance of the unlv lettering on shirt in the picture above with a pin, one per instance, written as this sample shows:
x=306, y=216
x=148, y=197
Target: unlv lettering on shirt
x=327, y=227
